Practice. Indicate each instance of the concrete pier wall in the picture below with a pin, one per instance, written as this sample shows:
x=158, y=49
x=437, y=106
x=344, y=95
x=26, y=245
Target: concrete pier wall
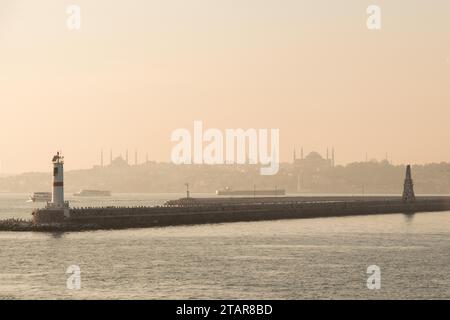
x=140, y=217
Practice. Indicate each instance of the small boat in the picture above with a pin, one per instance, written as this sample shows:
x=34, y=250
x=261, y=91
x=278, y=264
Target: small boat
x=41, y=197
x=93, y=193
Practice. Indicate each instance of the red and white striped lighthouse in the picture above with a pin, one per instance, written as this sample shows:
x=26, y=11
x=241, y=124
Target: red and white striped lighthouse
x=58, y=182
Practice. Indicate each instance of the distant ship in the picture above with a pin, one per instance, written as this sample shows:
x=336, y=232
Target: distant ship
x=271, y=192
x=93, y=193
x=41, y=197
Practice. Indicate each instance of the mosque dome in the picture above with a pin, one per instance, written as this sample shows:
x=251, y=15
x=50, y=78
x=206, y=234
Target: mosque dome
x=314, y=156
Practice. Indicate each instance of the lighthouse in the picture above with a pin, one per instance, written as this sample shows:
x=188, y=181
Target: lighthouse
x=58, y=182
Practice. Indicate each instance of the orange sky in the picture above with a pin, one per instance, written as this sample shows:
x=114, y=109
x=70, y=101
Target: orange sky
x=137, y=70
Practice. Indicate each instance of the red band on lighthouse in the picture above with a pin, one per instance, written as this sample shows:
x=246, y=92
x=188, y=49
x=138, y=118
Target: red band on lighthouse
x=58, y=184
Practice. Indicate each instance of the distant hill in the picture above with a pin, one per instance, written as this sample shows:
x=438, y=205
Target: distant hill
x=354, y=178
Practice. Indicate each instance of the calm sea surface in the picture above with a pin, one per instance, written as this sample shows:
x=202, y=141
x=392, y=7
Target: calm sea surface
x=287, y=259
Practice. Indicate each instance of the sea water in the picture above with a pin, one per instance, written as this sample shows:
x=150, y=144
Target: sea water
x=325, y=258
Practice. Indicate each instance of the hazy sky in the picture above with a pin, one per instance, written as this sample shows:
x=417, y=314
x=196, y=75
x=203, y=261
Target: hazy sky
x=139, y=69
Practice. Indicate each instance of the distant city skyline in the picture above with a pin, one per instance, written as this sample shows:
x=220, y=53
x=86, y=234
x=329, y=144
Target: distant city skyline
x=98, y=158
x=314, y=173
x=106, y=158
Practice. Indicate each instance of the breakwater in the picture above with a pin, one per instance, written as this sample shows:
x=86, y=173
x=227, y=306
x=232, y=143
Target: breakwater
x=188, y=211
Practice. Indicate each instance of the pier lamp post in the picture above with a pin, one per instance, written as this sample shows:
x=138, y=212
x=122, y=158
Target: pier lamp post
x=187, y=190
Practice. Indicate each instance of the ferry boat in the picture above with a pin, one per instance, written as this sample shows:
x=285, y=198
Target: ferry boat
x=93, y=193
x=41, y=197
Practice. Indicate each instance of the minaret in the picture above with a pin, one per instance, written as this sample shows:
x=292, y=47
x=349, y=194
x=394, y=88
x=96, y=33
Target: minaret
x=327, y=154
x=295, y=156
x=126, y=156
x=332, y=157
x=58, y=182
x=135, y=158
x=146, y=158
x=101, y=158
x=301, y=153
x=408, y=187
x=110, y=156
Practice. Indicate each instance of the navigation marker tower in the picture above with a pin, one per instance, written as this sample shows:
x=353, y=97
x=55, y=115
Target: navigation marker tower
x=408, y=187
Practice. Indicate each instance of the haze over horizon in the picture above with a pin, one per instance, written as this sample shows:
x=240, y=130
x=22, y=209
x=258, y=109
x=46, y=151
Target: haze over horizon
x=137, y=70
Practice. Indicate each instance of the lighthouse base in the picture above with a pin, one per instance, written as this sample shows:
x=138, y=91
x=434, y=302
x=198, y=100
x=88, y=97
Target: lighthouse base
x=48, y=216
